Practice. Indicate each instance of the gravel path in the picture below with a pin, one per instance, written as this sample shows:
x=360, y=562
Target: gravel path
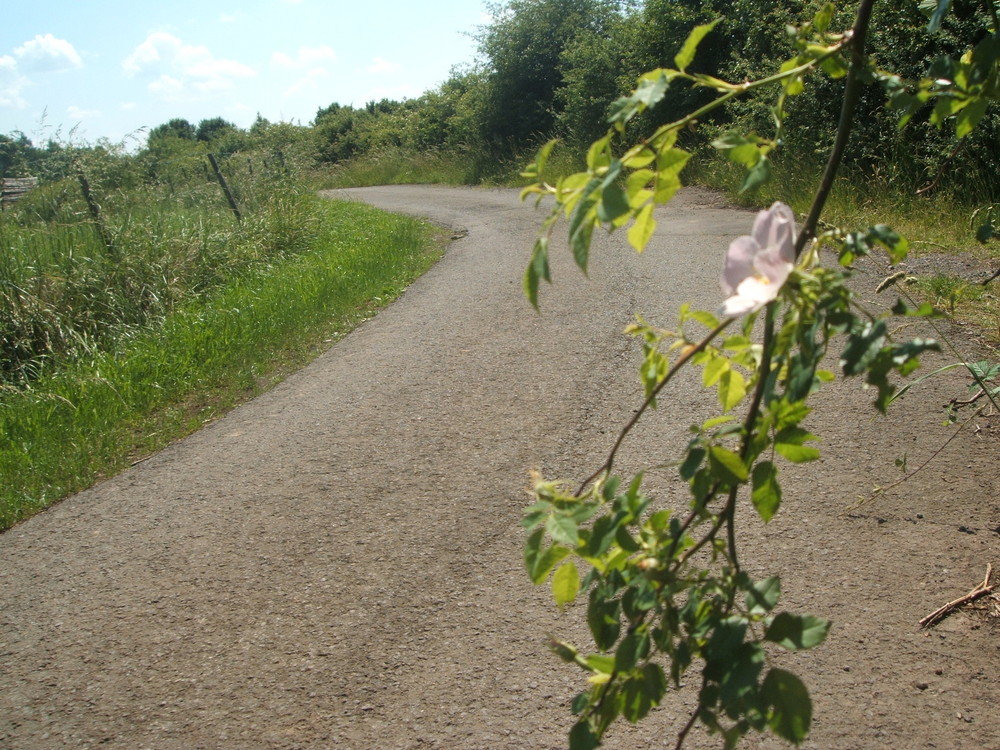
x=337, y=563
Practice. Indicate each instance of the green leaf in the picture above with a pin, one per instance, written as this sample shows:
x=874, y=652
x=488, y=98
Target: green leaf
x=766, y=495
x=582, y=737
x=546, y=561
x=691, y=463
x=714, y=370
x=742, y=149
x=537, y=269
x=789, y=709
x=732, y=389
x=790, y=443
x=969, y=117
x=563, y=529
x=763, y=596
x=642, y=229
x=823, y=17
x=535, y=169
x=797, y=632
x=601, y=663
x=641, y=693
x=614, y=203
x=565, y=584
x=757, y=175
x=603, y=620
x=726, y=465
x=891, y=241
x=862, y=348
x=633, y=647
x=598, y=155
x=686, y=55
x=602, y=536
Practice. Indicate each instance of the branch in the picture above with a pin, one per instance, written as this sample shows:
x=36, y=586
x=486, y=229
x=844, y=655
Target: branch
x=681, y=361
x=984, y=588
x=852, y=91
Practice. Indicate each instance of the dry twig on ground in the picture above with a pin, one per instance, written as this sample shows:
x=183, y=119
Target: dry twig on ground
x=983, y=588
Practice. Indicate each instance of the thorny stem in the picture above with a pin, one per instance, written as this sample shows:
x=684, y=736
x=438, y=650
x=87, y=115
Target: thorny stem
x=852, y=90
x=742, y=88
x=681, y=361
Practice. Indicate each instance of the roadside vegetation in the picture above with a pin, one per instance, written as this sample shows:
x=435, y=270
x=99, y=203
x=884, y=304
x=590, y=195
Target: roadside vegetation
x=128, y=329
x=129, y=283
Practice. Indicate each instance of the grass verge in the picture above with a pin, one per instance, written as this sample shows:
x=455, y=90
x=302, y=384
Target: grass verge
x=94, y=418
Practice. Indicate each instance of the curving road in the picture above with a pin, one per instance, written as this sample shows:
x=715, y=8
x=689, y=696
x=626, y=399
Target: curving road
x=337, y=563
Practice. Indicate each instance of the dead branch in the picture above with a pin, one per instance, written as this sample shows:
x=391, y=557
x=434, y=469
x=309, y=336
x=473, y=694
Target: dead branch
x=983, y=588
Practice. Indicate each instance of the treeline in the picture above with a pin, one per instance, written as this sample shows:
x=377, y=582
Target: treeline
x=552, y=68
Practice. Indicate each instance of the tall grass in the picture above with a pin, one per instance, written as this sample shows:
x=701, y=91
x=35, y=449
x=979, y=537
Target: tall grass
x=935, y=221
x=398, y=166
x=95, y=414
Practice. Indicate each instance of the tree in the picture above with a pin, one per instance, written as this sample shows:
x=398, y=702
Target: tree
x=175, y=128
x=213, y=128
x=523, y=49
x=14, y=155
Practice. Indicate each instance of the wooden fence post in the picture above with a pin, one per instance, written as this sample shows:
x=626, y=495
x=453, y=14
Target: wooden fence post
x=225, y=187
x=95, y=213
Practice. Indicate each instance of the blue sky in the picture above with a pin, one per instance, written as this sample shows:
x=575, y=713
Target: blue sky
x=109, y=69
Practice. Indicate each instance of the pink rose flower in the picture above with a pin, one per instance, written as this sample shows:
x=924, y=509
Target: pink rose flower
x=758, y=264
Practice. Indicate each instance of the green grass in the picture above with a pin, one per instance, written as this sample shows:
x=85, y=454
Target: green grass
x=95, y=415
x=401, y=167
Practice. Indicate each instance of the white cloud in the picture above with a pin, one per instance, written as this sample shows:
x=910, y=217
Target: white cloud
x=11, y=83
x=306, y=57
x=309, y=82
x=380, y=65
x=182, y=69
x=45, y=54
x=78, y=113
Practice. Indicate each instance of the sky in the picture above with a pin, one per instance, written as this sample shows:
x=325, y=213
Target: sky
x=84, y=70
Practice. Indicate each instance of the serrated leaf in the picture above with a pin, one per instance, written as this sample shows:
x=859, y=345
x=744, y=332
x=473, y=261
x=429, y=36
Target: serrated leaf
x=563, y=529
x=565, y=584
x=614, y=204
x=789, y=709
x=763, y=596
x=716, y=367
x=726, y=465
x=546, y=561
x=970, y=116
x=603, y=620
x=797, y=632
x=732, y=389
x=642, y=229
x=686, y=55
x=823, y=17
x=862, y=348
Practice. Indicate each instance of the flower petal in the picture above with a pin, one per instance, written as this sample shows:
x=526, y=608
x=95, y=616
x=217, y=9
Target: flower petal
x=774, y=230
x=752, y=294
x=739, y=263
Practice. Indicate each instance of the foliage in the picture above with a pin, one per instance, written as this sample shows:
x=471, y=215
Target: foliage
x=310, y=269
x=665, y=590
